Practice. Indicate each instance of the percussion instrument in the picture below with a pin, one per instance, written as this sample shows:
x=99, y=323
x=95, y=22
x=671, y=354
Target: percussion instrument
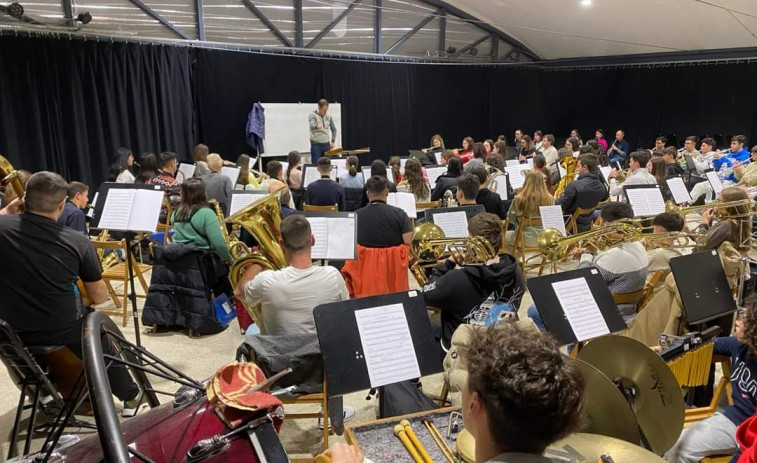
x=405, y=424
x=399, y=431
x=690, y=356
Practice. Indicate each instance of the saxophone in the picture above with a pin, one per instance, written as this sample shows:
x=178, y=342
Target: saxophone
x=237, y=249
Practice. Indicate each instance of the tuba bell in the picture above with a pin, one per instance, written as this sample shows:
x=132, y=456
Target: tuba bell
x=8, y=175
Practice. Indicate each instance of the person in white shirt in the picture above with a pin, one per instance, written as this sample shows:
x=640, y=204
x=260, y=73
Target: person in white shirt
x=639, y=174
x=288, y=296
x=548, y=149
x=120, y=167
x=703, y=160
x=538, y=136
x=659, y=257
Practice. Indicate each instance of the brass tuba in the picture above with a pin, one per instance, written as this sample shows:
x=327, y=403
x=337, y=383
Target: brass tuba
x=429, y=245
x=8, y=175
x=262, y=219
x=237, y=249
x=569, y=163
x=495, y=176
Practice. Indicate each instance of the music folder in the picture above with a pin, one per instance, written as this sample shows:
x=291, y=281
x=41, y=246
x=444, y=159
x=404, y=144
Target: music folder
x=375, y=341
x=703, y=286
x=128, y=207
x=575, y=305
x=335, y=235
x=243, y=198
x=453, y=220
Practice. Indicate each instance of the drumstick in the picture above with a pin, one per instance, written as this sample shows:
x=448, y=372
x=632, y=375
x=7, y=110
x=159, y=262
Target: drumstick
x=414, y=439
x=439, y=440
x=399, y=431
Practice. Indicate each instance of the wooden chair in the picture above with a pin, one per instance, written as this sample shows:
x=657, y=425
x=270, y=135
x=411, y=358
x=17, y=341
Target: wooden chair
x=503, y=245
x=308, y=207
x=599, y=206
x=657, y=277
x=519, y=244
x=629, y=298
x=165, y=228
x=572, y=226
x=694, y=415
x=120, y=272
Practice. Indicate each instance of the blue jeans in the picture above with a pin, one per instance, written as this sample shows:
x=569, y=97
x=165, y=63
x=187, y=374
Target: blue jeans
x=317, y=150
x=533, y=314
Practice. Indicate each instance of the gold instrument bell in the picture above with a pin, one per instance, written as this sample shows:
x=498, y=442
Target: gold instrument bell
x=8, y=175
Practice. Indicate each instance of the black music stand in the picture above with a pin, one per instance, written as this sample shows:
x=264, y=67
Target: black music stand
x=553, y=314
x=149, y=207
x=344, y=355
x=703, y=286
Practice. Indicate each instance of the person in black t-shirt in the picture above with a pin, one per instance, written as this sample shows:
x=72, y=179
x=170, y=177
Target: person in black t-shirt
x=380, y=225
x=324, y=191
x=39, y=301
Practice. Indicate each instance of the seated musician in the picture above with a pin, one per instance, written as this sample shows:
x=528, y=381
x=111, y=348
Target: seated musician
x=288, y=296
x=735, y=225
x=585, y=191
x=689, y=149
x=673, y=169
x=274, y=180
x=659, y=257
x=414, y=182
x=195, y=223
x=717, y=435
x=521, y=396
x=738, y=153
x=623, y=267
x=747, y=174
x=491, y=200
x=540, y=167
x=467, y=190
x=448, y=180
x=548, y=149
x=73, y=215
x=324, y=191
x=169, y=165
x=639, y=174
x=284, y=199
x=457, y=291
x=217, y=185
x=47, y=258
x=380, y=225
x=526, y=204
x=702, y=161
x=378, y=167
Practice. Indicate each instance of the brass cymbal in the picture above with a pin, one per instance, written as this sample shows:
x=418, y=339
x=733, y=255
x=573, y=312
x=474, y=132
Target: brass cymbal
x=652, y=390
x=579, y=447
x=606, y=411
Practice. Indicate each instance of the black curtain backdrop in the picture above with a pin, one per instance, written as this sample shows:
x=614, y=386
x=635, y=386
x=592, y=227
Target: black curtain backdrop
x=67, y=105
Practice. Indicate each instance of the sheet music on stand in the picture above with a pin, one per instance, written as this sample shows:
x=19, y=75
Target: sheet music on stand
x=501, y=188
x=232, y=173
x=340, y=165
x=454, y=224
x=311, y=174
x=367, y=173
x=433, y=173
x=128, y=207
x=715, y=182
x=243, y=198
x=646, y=200
x=284, y=168
x=335, y=235
x=512, y=162
x=438, y=157
x=551, y=217
x=605, y=172
x=188, y=170
x=403, y=161
x=516, y=175
x=405, y=201
x=678, y=190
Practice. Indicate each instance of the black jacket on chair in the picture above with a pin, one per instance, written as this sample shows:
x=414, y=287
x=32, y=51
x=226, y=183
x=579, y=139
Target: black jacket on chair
x=584, y=192
x=183, y=278
x=492, y=202
x=443, y=183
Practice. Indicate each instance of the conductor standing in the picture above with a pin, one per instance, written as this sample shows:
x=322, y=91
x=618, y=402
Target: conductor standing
x=322, y=131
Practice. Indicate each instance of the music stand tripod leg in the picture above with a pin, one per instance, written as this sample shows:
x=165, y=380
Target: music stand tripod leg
x=132, y=289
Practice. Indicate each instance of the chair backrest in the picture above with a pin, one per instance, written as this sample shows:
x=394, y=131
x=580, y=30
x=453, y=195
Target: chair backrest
x=309, y=207
x=110, y=244
x=419, y=206
x=629, y=298
x=572, y=227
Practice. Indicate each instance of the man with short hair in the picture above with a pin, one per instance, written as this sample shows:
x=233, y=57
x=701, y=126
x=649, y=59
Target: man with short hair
x=324, y=191
x=659, y=143
x=707, y=150
x=169, y=165
x=738, y=154
x=639, y=174
x=322, y=131
x=548, y=149
x=77, y=199
x=47, y=259
x=467, y=190
x=491, y=200
x=669, y=155
x=659, y=257
x=619, y=149
x=689, y=149
x=380, y=225
x=585, y=192
x=458, y=291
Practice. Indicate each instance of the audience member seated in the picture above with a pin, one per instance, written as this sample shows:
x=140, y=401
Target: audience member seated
x=526, y=205
x=585, y=191
x=623, y=267
x=457, y=291
x=659, y=257
x=288, y=296
x=120, y=168
x=353, y=178
x=448, y=180
x=217, y=185
x=47, y=259
x=414, y=182
x=73, y=215
x=324, y=191
x=717, y=435
x=639, y=174
x=669, y=155
x=378, y=168
x=491, y=200
x=195, y=223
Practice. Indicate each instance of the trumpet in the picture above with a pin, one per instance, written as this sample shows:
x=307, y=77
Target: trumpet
x=429, y=245
x=722, y=173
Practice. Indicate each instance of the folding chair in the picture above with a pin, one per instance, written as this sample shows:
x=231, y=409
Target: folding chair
x=308, y=207
x=519, y=245
x=572, y=226
x=165, y=228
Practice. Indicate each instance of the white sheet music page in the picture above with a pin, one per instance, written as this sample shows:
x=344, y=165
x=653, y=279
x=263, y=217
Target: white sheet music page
x=117, y=209
x=320, y=229
x=232, y=173
x=387, y=345
x=241, y=200
x=405, y=201
x=390, y=175
x=502, y=187
x=284, y=168
x=434, y=173
x=717, y=185
x=454, y=224
x=310, y=176
x=340, y=243
x=606, y=172
x=516, y=177
x=438, y=156
x=512, y=162
x=580, y=308
x=146, y=210
x=402, y=165
x=551, y=217
x=645, y=201
x=188, y=170
x=678, y=189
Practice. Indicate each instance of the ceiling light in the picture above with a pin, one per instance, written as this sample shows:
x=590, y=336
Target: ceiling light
x=586, y=2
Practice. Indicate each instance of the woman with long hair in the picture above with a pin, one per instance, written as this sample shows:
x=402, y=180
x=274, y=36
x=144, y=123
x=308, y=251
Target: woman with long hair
x=735, y=225
x=448, y=180
x=533, y=193
x=488, y=147
x=200, y=155
x=246, y=180
x=574, y=134
x=396, y=165
x=414, y=182
x=148, y=168
x=496, y=161
x=436, y=144
x=658, y=169
x=574, y=145
x=294, y=169
x=120, y=165
x=479, y=155
x=466, y=153
x=353, y=178
x=195, y=223
x=527, y=149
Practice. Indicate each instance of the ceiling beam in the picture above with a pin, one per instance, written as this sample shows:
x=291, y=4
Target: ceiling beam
x=200, y=20
x=443, y=31
x=482, y=25
x=299, y=41
x=474, y=44
x=156, y=16
x=68, y=12
x=495, y=47
x=333, y=24
x=267, y=22
x=411, y=33
x=377, y=28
